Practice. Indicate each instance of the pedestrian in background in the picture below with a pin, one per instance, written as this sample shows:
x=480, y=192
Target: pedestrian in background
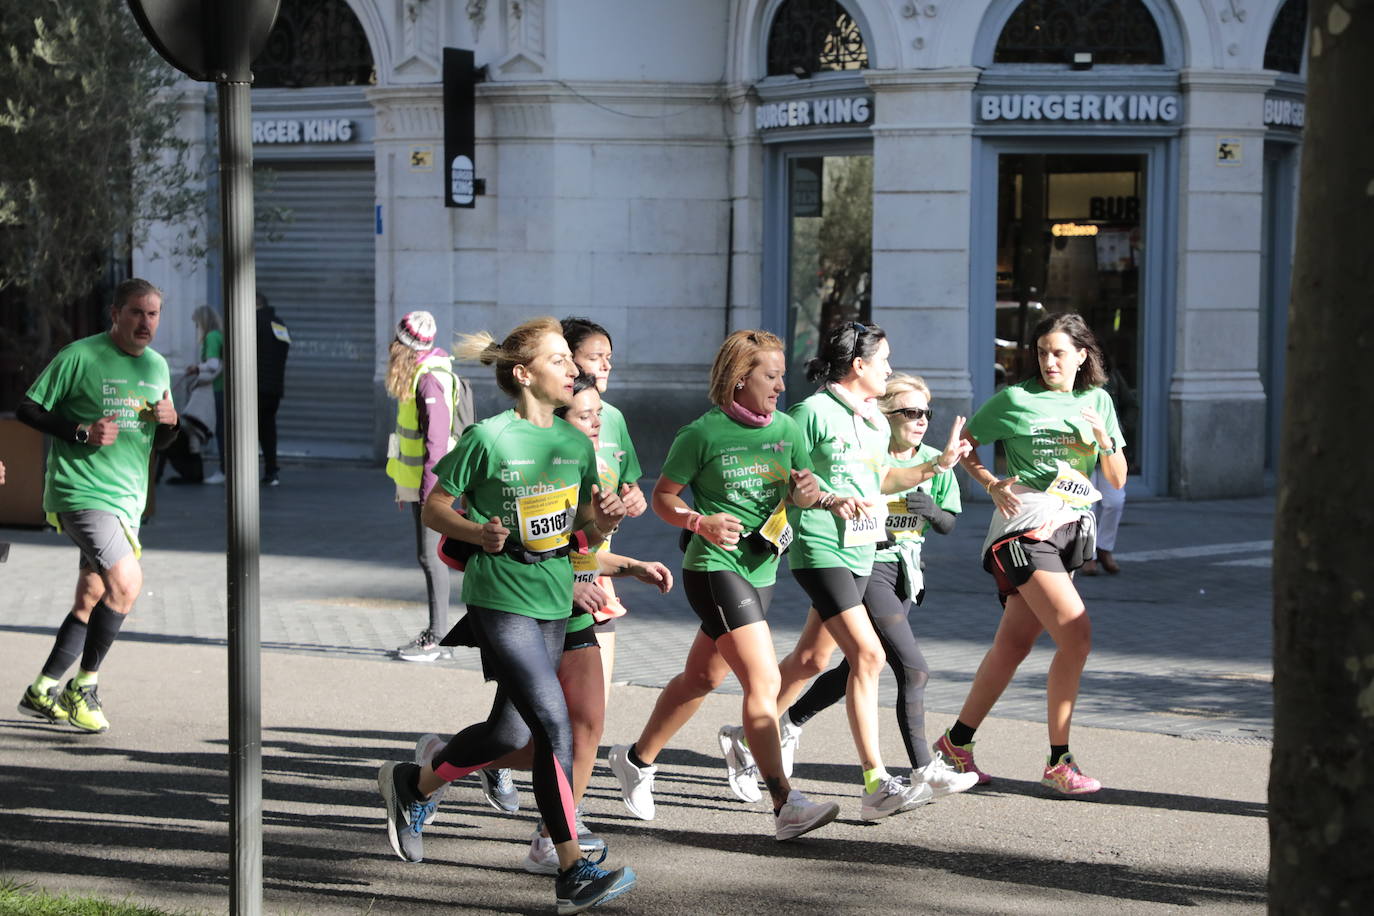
x=429, y=418
x=274, y=343
x=106, y=402
x=210, y=333
x=1113, y=503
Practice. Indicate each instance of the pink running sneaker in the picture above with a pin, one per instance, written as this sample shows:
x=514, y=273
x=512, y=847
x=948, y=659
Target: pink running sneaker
x=960, y=756
x=1065, y=777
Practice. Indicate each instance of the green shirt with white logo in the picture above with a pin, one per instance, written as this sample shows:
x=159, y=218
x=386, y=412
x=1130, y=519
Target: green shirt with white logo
x=534, y=478
x=615, y=444
x=849, y=455
x=1038, y=427
x=89, y=379
x=740, y=469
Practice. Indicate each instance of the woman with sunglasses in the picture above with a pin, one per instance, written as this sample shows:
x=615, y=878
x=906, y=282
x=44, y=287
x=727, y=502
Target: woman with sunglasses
x=529, y=484
x=1054, y=427
x=832, y=559
x=745, y=464
x=897, y=581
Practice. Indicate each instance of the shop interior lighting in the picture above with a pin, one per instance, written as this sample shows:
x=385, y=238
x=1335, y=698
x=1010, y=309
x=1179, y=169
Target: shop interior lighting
x=1082, y=60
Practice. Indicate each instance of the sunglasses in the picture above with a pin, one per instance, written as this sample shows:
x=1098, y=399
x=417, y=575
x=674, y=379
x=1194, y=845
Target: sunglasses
x=913, y=413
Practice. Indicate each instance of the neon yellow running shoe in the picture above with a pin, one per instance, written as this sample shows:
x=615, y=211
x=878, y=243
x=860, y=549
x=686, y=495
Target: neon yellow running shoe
x=83, y=708
x=42, y=705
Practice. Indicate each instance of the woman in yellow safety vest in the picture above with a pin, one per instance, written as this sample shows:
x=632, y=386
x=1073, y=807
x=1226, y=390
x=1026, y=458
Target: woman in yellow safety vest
x=420, y=377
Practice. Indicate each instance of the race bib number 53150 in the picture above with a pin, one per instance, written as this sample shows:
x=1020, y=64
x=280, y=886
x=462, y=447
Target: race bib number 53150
x=546, y=519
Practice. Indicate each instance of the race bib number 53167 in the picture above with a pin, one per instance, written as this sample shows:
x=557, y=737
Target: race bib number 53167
x=546, y=519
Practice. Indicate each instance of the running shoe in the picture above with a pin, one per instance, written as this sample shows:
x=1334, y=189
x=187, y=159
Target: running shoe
x=425, y=750
x=1066, y=778
x=636, y=783
x=583, y=885
x=542, y=859
x=405, y=813
x=82, y=706
x=942, y=778
x=587, y=841
x=791, y=741
x=499, y=788
x=894, y=796
x=215, y=478
x=801, y=815
x=740, y=770
x=423, y=648
x=43, y=705
x=960, y=756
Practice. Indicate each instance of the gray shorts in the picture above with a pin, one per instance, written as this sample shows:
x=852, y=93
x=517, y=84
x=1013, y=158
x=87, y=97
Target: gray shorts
x=100, y=536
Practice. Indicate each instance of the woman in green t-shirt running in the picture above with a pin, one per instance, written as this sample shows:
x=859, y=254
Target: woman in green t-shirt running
x=745, y=464
x=531, y=495
x=847, y=438
x=1053, y=426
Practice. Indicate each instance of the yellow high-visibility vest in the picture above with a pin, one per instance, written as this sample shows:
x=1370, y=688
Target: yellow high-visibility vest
x=406, y=461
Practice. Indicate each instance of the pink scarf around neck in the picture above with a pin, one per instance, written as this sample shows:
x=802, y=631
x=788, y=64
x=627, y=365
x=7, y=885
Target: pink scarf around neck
x=737, y=411
x=866, y=409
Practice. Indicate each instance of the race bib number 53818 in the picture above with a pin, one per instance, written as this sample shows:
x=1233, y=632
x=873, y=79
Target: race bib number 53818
x=545, y=519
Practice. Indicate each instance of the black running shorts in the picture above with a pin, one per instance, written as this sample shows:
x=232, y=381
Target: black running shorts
x=1016, y=557
x=724, y=600
x=832, y=589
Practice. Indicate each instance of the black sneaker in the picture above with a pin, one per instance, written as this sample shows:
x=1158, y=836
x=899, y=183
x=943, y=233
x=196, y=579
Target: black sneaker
x=582, y=885
x=405, y=813
x=423, y=648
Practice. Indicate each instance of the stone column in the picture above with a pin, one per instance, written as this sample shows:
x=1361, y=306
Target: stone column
x=1216, y=400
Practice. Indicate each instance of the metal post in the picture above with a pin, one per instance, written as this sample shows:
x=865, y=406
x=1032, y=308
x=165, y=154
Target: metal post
x=241, y=390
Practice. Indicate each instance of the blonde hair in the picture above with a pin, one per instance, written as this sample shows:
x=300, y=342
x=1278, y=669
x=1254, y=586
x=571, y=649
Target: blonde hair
x=901, y=383
x=737, y=357
x=518, y=349
x=206, y=320
x=400, y=371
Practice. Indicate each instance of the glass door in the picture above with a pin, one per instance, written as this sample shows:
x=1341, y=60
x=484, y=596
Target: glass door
x=1071, y=237
x=830, y=253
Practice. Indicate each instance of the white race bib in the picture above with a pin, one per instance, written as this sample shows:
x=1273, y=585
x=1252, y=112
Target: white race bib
x=860, y=531
x=901, y=521
x=1075, y=489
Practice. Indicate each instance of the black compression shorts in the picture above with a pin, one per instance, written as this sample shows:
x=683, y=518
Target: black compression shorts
x=1015, y=558
x=724, y=600
x=832, y=589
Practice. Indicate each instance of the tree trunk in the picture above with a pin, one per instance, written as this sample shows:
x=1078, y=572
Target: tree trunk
x=1321, y=787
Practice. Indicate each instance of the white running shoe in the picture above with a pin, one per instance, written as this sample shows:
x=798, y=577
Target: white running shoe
x=542, y=859
x=942, y=778
x=740, y=769
x=636, y=783
x=791, y=741
x=215, y=478
x=801, y=815
x=425, y=749
x=894, y=796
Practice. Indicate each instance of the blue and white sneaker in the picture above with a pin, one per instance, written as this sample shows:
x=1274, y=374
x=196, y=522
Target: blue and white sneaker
x=405, y=814
x=583, y=885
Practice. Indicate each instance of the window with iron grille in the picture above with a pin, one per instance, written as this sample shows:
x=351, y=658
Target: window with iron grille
x=315, y=43
x=811, y=36
x=1287, y=38
x=1050, y=31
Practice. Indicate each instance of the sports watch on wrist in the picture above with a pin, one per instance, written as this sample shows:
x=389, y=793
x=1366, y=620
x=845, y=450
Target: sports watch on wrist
x=81, y=435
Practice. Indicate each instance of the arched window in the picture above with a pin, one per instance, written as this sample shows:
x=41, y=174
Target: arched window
x=315, y=43
x=811, y=36
x=1287, y=38
x=1051, y=31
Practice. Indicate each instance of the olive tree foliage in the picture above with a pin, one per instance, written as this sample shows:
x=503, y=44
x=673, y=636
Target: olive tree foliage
x=1321, y=783
x=89, y=157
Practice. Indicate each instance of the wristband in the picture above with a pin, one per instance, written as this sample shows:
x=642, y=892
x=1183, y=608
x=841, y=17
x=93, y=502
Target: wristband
x=990, y=484
x=1107, y=451
x=579, y=539
x=694, y=522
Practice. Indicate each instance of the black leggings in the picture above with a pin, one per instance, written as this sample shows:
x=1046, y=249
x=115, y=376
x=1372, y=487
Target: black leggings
x=890, y=618
x=522, y=656
x=436, y=572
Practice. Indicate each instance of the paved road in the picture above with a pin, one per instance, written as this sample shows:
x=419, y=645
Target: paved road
x=1175, y=717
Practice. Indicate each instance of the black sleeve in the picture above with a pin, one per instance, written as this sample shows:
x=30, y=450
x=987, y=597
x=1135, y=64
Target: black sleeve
x=923, y=504
x=32, y=413
x=165, y=436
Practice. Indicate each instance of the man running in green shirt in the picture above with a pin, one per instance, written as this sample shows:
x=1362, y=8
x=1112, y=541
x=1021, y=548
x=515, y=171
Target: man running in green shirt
x=106, y=402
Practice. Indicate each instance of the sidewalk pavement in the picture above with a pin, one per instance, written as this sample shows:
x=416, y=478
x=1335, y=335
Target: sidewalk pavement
x=1174, y=718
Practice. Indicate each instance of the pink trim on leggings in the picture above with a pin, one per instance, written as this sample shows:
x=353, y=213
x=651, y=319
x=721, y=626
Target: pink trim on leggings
x=449, y=773
x=565, y=795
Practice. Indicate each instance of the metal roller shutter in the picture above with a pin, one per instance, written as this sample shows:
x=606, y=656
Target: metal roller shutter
x=318, y=275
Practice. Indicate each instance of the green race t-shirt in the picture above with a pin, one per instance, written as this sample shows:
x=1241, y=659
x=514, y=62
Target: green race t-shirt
x=534, y=478
x=1038, y=427
x=616, y=446
x=89, y=379
x=213, y=348
x=742, y=470
x=849, y=455
x=904, y=526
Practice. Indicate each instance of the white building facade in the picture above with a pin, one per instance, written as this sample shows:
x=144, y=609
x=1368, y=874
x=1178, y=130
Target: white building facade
x=675, y=171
